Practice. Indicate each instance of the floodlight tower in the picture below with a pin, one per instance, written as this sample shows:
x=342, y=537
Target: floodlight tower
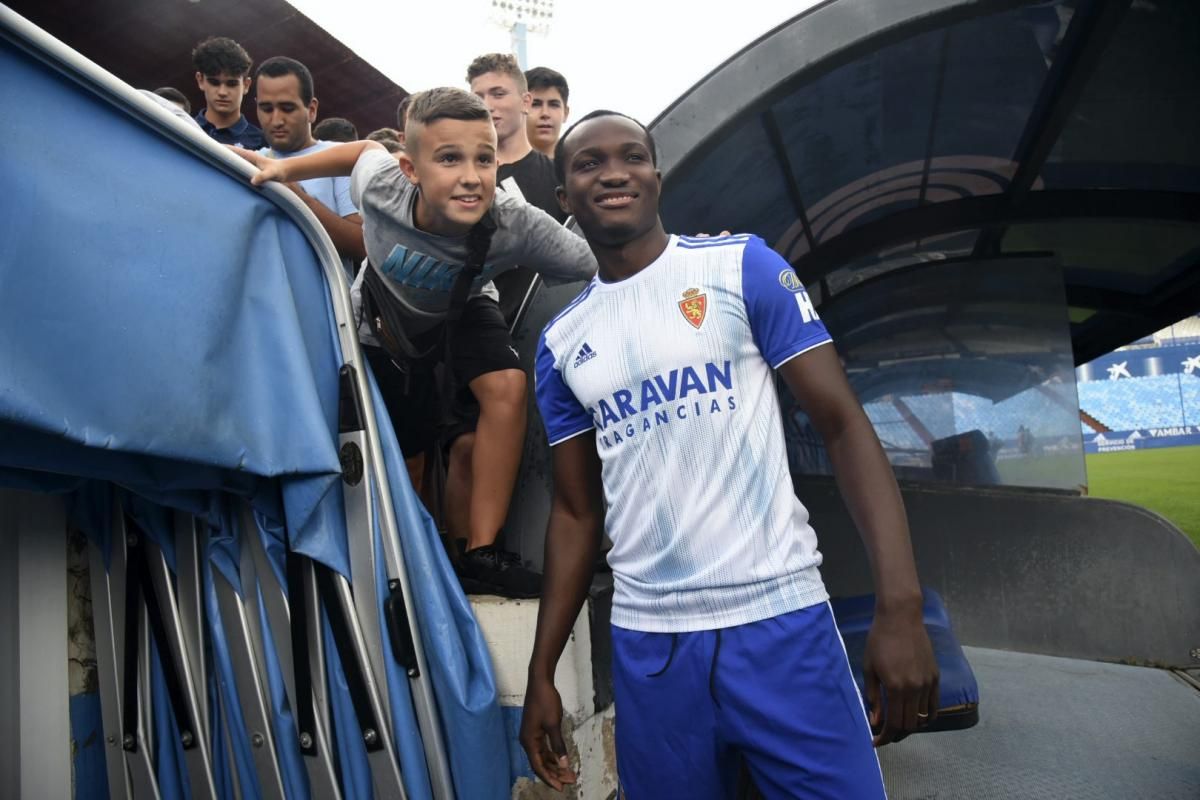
x=520, y=17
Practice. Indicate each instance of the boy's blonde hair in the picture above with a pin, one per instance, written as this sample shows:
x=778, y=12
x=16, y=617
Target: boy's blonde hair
x=445, y=102
x=502, y=63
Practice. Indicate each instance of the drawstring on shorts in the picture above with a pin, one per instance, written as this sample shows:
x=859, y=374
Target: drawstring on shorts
x=670, y=657
x=712, y=669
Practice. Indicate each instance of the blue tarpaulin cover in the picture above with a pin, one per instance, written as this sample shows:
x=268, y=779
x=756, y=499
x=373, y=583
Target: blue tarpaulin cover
x=166, y=328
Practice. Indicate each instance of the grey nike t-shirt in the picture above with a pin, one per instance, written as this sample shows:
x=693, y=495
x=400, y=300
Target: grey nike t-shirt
x=420, y=267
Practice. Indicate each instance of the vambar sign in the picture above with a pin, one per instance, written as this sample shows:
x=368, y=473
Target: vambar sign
x=1141, y=439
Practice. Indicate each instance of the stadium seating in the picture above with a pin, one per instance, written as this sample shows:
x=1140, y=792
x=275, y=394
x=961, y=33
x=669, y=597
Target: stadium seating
x=1127, y=404
x=1189, y=390
x=1148, y=402
x=944, y=415
x=893, y=431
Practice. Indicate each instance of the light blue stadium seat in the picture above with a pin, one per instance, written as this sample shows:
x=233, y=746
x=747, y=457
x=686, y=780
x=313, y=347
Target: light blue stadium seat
x=1145, y=402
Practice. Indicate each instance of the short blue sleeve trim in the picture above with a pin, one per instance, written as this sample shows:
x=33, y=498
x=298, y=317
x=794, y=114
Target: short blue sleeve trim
x=562, y=414
x=782, y=317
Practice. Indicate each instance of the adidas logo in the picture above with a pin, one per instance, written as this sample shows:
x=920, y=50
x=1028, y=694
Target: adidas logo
x=586, y=353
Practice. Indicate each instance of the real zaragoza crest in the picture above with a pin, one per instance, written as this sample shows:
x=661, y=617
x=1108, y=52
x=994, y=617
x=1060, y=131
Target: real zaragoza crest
x=693, y=306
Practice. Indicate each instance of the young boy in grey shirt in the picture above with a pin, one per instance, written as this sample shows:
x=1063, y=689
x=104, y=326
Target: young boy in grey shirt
x=418, y=213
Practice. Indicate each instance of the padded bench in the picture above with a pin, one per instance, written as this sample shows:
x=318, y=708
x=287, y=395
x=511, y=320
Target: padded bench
x=958, y=693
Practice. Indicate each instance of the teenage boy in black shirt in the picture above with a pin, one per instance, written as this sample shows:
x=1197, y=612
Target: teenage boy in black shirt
x=497, y=79
x=549, y=111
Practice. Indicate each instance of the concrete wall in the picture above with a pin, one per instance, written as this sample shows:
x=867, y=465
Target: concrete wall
x=508, y=626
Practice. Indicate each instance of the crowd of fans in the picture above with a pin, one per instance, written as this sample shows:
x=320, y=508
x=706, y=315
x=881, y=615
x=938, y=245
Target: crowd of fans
x=463, y=465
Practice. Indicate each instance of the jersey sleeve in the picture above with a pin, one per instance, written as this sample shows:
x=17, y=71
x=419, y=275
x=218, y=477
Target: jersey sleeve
x=782, y=317
x=562, y=414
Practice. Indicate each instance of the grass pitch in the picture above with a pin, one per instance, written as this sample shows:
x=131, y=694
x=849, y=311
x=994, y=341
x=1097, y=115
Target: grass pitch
x=1166, y=481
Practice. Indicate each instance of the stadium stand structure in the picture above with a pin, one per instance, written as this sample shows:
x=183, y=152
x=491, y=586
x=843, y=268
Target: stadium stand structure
x=957, y=412
x=1186, y=331
x=1152, y=383
x=1148, y=402
x=348, y=85
x=894, y=431
x=1089, y=424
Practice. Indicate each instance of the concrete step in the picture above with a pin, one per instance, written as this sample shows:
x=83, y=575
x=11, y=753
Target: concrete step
x=583, y=680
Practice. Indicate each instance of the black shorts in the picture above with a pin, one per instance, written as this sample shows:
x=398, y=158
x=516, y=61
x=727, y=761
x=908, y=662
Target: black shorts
x=482, y=344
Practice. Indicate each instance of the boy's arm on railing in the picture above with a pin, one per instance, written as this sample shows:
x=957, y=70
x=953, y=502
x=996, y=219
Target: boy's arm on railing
x=333, y=162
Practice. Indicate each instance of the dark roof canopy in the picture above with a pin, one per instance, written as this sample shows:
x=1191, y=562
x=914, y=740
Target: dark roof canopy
x=148, y=43
x=865, y=136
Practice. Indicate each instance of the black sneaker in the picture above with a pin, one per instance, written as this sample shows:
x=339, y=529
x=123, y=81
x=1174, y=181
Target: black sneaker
x=469, y=584
x=491, y=570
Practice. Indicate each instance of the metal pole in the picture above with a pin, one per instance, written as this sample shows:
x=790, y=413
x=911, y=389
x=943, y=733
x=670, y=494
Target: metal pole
x=518, y=44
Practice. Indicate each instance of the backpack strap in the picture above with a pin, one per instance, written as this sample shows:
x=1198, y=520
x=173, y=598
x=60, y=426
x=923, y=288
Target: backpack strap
x=387, y=324
x=479, y=241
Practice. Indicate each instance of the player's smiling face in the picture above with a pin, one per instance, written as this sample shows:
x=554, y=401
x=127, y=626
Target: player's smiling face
x=612, y=185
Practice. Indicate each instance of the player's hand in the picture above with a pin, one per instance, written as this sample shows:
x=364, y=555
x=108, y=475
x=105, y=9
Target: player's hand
x=541, y=734
x=269, y=169
x=901, y=676
x=708, y=235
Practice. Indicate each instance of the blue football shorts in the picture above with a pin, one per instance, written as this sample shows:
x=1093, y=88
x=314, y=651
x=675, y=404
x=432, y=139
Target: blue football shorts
x=775, y=695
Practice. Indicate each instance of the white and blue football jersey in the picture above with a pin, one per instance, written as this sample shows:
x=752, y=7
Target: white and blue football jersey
x=671, y=372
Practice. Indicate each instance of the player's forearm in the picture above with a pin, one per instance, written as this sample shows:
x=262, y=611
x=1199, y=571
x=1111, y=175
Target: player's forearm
x=333, y=162
x=869, y=490
x=572, y=545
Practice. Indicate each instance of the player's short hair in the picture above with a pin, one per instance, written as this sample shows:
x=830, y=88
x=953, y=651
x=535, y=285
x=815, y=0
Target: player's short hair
x=335, y=129
x=502, y=63
x=279, y=66
x=175, y=96
x=560, y=170
x=402, y=112
x=445, y=102
x=546, y=78
x=218, y=55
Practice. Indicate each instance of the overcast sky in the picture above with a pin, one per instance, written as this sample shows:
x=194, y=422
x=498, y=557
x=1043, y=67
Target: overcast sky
x=634, y=56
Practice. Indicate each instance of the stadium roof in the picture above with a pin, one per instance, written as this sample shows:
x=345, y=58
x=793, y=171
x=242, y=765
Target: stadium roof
x=148, y=43
x=869, y=136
